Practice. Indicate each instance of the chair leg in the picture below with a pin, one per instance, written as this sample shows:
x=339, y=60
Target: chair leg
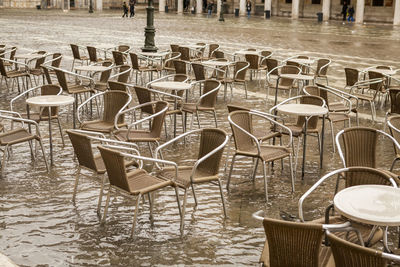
x=61, y=132
x=265, y=181
x=103, y=220
x=222, y=196
x=291, y=171
x=76, y=183
x=255, y=170
x=151, y=206
x=136, y=213
x=333, y=136
x=178, y=201
x=393, y=163
x=194, y=195
x=198, y=119
x=230, y=172
x=101, y=195
x=3, y=163
x=183, y=211
x=44, y=154
x=215, y=119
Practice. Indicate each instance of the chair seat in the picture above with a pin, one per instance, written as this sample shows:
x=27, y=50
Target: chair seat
x=267, y=152
x=37, y=118
x=192, y=107
x=140, y=182
x=262, y=134
x=297, y=130
x=136, y=136
x=184, y=173
x=337, y=107
x=337, y=116
x=77, y=89
x=83, y=58
x=99, y=126
x=101, y=168
x=16, y=136
x=36, y=72
x=99, y=86
x=364, y=96
x=16, y=73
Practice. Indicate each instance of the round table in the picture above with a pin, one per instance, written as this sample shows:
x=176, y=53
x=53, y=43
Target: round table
x=171, y=86
x=91, y=68
x=154, y=54
x=217, y=63
x=307, y=111
x=302, y=61
x=371, y=204
x=247, y=52
x=49, y=101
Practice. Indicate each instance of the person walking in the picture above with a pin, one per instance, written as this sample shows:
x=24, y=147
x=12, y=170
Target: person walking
x=351, y=14
x=248, y=8
x=344, y=10
x=132, y=8
x=125, y=7
x=210, y=8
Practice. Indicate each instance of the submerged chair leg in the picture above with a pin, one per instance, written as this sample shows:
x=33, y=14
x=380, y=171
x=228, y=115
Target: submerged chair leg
x=101, y=195
x=255, y=170
x=230, y=172
x=292, y=177
x=61, y=132
x=222, y=196
x=3, y=163
x=103, y=220
x=194, y=195
x=76, y=183
x=44, y=155
x=183, y=210
x=265, y=181
x=136, y=213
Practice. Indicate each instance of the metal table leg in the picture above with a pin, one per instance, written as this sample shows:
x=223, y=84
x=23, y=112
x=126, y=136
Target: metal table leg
x=321, y=156
x=50, y=138
x=304, y=146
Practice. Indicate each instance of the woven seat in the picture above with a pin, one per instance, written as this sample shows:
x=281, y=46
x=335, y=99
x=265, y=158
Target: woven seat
x=136, y=182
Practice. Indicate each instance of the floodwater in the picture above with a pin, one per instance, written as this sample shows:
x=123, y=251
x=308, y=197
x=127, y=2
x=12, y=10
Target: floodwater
x=39, y=224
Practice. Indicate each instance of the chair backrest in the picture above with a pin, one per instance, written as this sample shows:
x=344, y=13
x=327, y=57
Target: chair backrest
x=83, y=149
x=75, y=51
x=211, y=99
x=39, y=62
x=271, y=64
x=240, y=73
x=198, y=70
x=232, y=108
x=117, y=86
x=113, y=102
x=134, y=61
x=49, y=89
x=349, y=254
x=56, y=60
x=210, y=139
x=124, y=77
x=118, y=58
x=316, y=91
x=364, y=175
x=174, y=48
x=288, y=69
x=293, y=243
x=46, y=73
x=115, y=166
x=105, y=75
x=123, y=48
x=375, y=75
x=158, y=121
x=351, y=76
x=180, y=78
x=254, y=61
x=180, y=66
x=170, y=63
x=394, y=94
x=13, y=52
x=313, y=121
x=144, y=96
x=3, y=70
x=185, y=53
x=266, y=53
x=219, y=54
x=321, y=63
x=394, y=126
x=62, y=79
x=243, y=141
x=211, y=49
x=359, y=146
x=383, y=67
x=92, y=51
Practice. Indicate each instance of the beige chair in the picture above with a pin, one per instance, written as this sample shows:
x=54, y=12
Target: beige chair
x=239, y=76
x=16, y=74
x=77, y=55
x=285, y=84
x=248, y=145
x=394, y=126
x=204, y=170
x=137, y=182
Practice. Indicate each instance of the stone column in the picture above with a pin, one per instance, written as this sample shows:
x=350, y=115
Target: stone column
x=199, y=6
x=180, y=6
x=99, y=5
x=360, y=11
x=295, y=9
x=242, y=7
x=218, y=7
x=396, y=18
x=326, y=9
x=161, y=5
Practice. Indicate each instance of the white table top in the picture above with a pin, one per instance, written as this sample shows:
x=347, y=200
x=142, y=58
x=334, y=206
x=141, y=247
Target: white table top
x=91, y=68
x=193, y=46
x=170, y=85
x=303, y=61
x=371, y=204
x=28, y=56
x=297, y=77
x=247, y=52
x=302, y=109
x=216, y=63
x=154, y=54
x=50, y=100
x=383, y=71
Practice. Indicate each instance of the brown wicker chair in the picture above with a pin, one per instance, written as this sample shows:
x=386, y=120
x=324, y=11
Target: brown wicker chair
x=123, y=48
x=205, y=103
x=101, y=84
x=55, y=61
x=239, y=76
x=394, y=126
x=255, y=65
x=168, y=64
x=123, y=74
x=77, y=56
x=82, y=144
x=14, y=74
x=394, y=95
x=12, y=51
x=321, y=71
x=285, y=84
x=204, y=170
x=36, y=70
x=113, y=103
x=117, y=86
x=247, y=144
x=92, y=52
x=139, y=69
x=294, y=243
x=18, y=135
x=137, y=182
x=153, y=134
x=174, y=48
x=180, y=66
x=352, y=255
x=119, y=58
x=353, y=176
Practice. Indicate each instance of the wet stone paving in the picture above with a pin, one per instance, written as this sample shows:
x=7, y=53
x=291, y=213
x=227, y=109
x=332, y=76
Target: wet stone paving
x=40, y=225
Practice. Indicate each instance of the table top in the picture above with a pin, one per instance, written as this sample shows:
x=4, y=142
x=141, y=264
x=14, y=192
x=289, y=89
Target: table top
x=91, y=68
x=193, y=46
x=371, y=204
x=105, y=46
x=216, y=63
x=304, y=61
x=154, y=54
x=384, y=71
x=170, y=85
x=302, y=109
x=297, y=76
x=50, y=100
x=247, y=52
x=28, y=56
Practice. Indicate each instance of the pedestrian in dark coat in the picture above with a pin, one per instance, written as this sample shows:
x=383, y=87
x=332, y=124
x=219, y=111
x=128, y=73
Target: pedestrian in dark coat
x=344, y=10
x=125, y=7
x=132, y=7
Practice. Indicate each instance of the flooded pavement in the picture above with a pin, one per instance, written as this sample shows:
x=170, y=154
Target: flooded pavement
x=39, y=224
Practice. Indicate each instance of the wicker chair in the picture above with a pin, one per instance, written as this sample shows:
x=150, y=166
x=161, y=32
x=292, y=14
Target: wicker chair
x=43, y=113
x=180, y=66
x=101, y=84
x=123, y=74
x=82, y=144
x=12, y=51
x=137, y=182
x=294, y=243
x=119, y=58
x=168, y=65
x=394, y=95
x=174, y=48
x=239, y=76
x=14, y=74
x=77, y=56
x=321, y=71
x=352, y=77
x=123, y=48
x=117, y=86
x=353, y=176
x=247, y=144
x=204, y=170
x=18, y=135
x=153, y=134
x=139, y=69
x=55, y=62
x=352, y=255
x=394, y=126
x=255, y=65
x=285, y=84
x=113, y=103
x=92, y=52
x=36, y=70
x=205, y=103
